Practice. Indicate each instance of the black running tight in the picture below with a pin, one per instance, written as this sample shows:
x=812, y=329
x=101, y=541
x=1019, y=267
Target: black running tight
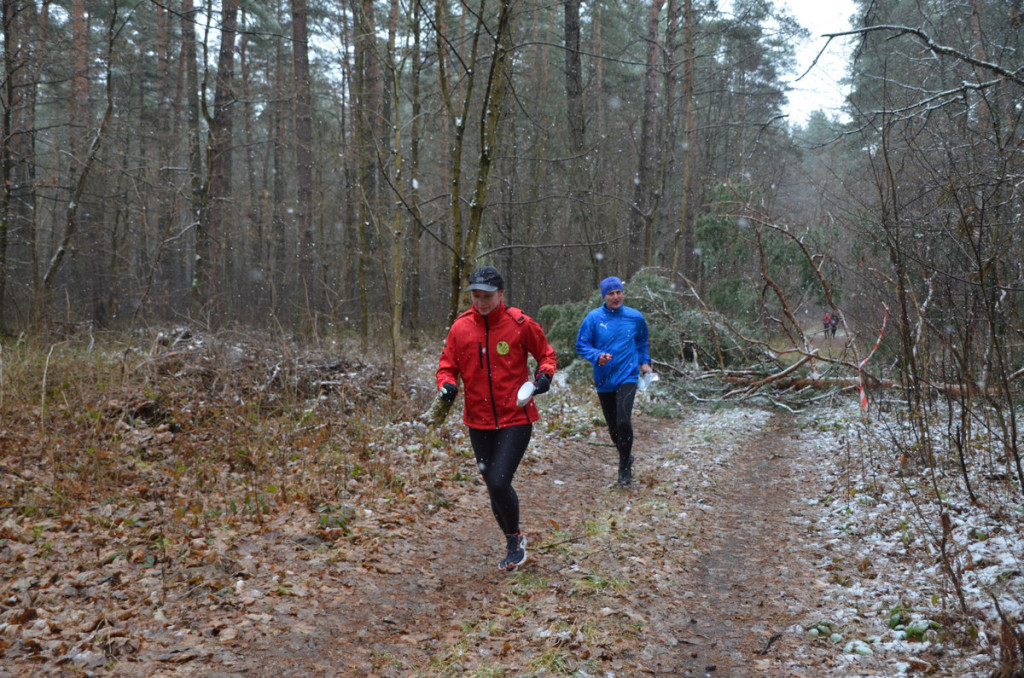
x=617, y=406
x=498, y=453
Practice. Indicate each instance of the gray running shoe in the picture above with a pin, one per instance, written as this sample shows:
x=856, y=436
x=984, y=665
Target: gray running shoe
x=516, y=544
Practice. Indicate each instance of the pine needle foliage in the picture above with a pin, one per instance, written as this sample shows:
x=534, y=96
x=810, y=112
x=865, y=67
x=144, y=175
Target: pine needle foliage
x=561, y=322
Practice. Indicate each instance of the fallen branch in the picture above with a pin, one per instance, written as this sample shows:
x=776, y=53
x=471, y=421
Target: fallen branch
x=754, y=382
x=772, y=378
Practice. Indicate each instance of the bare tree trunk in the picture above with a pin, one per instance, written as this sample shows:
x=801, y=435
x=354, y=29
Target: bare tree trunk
x=645, y=195
x=254, y=242
x=12, y=40
x=597, y=103
x=667, y=125
x=912, y=376
x=79, y=99
x=303, y=154
x=192, y=112
x=277, y=259
x=415, y=265
x=579, y=192
x=491, y=112
x=397, y=276
x=163, y=71
x=279, y=269
x=209, y=266
x=366, y=82
x=574, y=77
x=686, y=241
x=458, y=120
x=24, y=142
x=978, y=52
x=464, y=244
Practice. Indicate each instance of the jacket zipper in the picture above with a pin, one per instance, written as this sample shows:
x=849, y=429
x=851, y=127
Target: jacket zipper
x=490, y=381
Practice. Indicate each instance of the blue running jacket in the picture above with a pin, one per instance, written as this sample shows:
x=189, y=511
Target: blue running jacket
x=623, y=333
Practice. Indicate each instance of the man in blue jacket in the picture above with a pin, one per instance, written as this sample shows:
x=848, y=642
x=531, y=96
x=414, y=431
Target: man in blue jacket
x=614, y=338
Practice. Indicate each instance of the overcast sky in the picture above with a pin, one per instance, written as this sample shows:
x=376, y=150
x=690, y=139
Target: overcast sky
x=821, y=87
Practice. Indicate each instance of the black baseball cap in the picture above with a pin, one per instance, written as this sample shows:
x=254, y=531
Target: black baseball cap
x=486, y=279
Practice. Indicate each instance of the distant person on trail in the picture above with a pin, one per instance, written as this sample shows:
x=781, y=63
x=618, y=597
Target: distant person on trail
x=614, y=338
x=831, y=322
x=487, y=346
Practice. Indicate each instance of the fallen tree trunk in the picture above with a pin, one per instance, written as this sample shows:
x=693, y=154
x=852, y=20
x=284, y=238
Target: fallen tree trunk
x=750, y=383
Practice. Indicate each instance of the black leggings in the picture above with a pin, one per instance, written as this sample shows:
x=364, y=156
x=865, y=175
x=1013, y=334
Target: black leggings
x=498, y=453
x=617, y=406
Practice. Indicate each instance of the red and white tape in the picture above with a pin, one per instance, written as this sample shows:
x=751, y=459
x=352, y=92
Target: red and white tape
x=860, y=375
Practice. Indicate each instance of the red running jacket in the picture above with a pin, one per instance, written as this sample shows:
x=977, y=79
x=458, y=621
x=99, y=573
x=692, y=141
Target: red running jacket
x=489, y=353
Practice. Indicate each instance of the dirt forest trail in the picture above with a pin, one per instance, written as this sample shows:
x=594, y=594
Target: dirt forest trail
x=331, y=538
x=698, y=569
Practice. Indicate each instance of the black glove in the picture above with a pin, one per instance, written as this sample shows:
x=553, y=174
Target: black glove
x=448, y=392
x=542, y=384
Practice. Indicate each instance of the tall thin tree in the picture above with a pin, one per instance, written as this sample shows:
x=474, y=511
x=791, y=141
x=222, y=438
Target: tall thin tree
x=645, y=193
x=210, y=251
x=303, y=152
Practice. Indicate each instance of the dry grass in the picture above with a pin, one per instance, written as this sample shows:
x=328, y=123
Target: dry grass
x=179, y=415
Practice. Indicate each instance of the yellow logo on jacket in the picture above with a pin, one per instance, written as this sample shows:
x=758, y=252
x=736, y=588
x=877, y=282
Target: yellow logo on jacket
x=502, y=348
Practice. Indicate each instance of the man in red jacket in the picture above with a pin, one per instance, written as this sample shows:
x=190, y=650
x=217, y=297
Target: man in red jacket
x=488, y=346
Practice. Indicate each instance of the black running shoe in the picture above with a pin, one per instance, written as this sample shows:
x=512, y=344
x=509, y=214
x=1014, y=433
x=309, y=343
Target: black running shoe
x=626, y=471
x=516, y=544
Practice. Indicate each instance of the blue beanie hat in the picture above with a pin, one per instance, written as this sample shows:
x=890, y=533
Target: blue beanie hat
x=610, y=284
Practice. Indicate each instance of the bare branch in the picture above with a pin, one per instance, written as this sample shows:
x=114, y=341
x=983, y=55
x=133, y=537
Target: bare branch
x=944, y=50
